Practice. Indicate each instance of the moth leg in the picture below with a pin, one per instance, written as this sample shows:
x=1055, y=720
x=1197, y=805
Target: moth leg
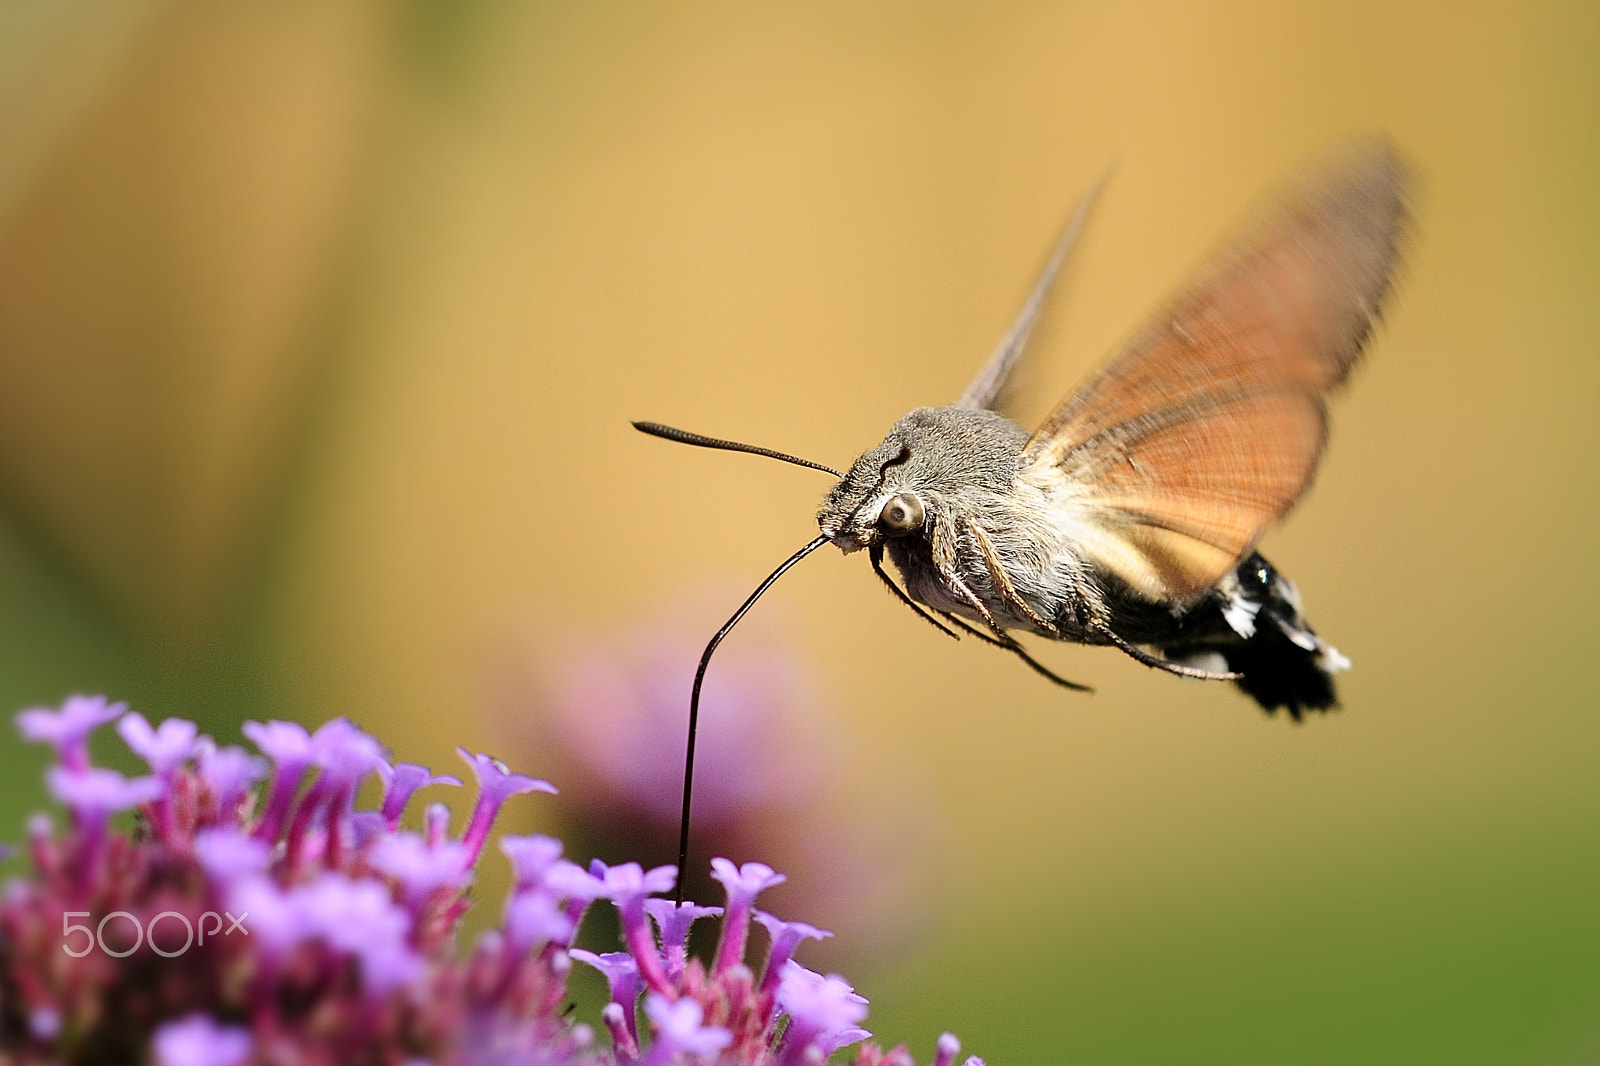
x=1180, y=669
x=875, y=553
x=1002, y=581
x=1011, y=645
x=942, y=545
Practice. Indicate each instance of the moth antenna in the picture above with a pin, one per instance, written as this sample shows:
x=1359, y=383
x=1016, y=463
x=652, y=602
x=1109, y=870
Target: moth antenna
x=985, y=390
x=683, y=436
x=705, y=660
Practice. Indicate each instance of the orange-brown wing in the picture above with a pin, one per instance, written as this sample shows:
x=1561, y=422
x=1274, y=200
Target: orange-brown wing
x=1181, y=451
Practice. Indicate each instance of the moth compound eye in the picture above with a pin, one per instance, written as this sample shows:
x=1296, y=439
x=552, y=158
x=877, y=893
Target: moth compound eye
x=901, y=515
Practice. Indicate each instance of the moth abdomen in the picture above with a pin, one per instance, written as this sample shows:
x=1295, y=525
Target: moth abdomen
x=1251, y=624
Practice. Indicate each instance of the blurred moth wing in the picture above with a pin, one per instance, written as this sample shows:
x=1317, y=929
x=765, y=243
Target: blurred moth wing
x=1171, y=461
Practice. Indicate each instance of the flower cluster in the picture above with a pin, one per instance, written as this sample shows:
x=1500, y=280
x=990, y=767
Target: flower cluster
x=254, y=915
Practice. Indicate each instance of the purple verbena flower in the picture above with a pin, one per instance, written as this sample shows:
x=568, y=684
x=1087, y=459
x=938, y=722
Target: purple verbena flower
x=622, y=978
x=93, y=793
x=531, y=858
x=786, y=936
x=820, y=1009
x=533, y=919
x=199, y=1041
x=228, y=772
x=68, y=729
x=344, y=753
x=332, y=937
x=496, y=784
x=228, y=854
x=673, y=920
x=163, y=747
x=288, y=745
x=743, y=884
x=678, y=1030
x=627, y=886
x=420, y=868
x=401, y=781
x=571, y=882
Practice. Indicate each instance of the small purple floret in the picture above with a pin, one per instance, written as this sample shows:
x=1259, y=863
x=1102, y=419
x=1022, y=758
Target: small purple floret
x=532, y=857
x=402, y=781
x=421, y=869
x=622, y=978
x=786, y=936
x=627, y=886
x=673, y=921
x=164, y=747
x=288, y=745
x=819, y=1008
x=496, y=784
x=228, y=854
x=678, y=1030
x=229, y=771
x=93, y=793
x=743, y=884
x=344, y=753
x=68, y=729
x=533, y=920
x=199, y=1041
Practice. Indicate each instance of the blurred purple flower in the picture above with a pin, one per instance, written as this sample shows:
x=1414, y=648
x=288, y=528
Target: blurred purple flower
x=531, y=858
x=419, y=868
x=199, y=1041
x=229, y=772
x=68, y=729
x=615, y=709
x=679, y=1030
x=93, y=793
x=770, y=769
x=534, y=919
x=288, y=745
x=228, y=854
x=821, y=1009
x=164, y=747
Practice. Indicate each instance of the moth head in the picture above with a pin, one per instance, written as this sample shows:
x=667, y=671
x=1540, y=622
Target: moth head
x=934, y=460
x=875, y=500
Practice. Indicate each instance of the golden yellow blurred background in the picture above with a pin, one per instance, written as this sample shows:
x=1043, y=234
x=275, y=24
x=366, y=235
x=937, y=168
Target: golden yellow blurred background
x=321, y=326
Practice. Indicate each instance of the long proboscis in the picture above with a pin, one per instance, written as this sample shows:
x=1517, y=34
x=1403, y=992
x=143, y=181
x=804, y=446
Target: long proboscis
x=694, y=701
x=683, y=436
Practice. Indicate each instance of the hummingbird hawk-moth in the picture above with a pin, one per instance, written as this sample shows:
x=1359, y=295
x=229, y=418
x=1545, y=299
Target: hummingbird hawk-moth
x=1130, y=516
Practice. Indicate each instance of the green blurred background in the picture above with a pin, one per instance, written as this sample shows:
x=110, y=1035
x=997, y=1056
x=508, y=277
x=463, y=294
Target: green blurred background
x=321, y=325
